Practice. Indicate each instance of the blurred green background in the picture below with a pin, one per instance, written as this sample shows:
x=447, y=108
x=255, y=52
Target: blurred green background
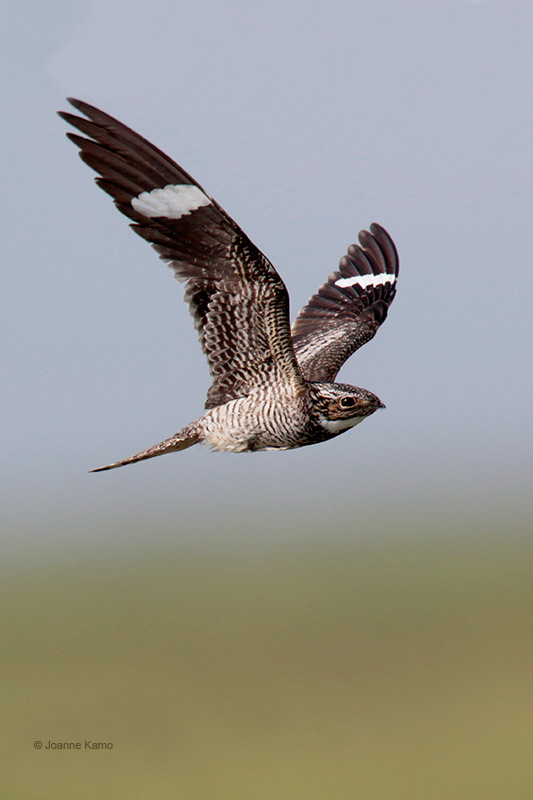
x=399, y=666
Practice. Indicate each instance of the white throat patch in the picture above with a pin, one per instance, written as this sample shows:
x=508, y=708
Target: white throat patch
x=336, y=425
x=172, y=202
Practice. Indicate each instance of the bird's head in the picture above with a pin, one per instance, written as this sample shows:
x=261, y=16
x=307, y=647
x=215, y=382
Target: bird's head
x=340, y=406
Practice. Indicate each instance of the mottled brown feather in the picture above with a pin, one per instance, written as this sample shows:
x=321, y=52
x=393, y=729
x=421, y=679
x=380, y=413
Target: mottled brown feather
x=238, y=301
x=338, y=320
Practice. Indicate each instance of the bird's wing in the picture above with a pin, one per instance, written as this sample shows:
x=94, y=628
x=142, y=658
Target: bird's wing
x=346, y=311
x=239, y=303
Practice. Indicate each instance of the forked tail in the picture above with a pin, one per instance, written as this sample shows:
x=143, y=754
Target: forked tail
x=180, y=441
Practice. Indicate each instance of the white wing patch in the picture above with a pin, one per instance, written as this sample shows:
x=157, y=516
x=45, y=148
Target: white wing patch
x=173, y=202
x=366, y=280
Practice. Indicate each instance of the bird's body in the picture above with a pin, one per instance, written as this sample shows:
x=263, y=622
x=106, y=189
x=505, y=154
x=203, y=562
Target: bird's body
x=272, y=387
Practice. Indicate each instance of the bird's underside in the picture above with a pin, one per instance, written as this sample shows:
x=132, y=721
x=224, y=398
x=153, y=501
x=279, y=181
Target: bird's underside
x=272, y=387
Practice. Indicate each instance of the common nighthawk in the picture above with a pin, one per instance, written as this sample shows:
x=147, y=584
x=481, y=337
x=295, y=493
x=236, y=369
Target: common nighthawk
x=272, y=386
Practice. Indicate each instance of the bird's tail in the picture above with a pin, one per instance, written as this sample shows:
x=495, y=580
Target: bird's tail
x=180, y=441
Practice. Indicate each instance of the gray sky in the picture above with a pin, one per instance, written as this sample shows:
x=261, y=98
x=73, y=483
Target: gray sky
x=307, y=122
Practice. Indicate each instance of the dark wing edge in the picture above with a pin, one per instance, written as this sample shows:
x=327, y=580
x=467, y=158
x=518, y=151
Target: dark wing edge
x=202, y=245
x=347, y=311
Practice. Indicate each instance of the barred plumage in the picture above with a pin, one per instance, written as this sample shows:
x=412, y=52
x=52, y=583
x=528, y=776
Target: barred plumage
x=272, y=388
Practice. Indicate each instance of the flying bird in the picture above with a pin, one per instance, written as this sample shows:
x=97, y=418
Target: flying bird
x=272, y=386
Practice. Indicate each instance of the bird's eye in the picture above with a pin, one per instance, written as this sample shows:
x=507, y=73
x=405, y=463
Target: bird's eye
x=347, y=402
